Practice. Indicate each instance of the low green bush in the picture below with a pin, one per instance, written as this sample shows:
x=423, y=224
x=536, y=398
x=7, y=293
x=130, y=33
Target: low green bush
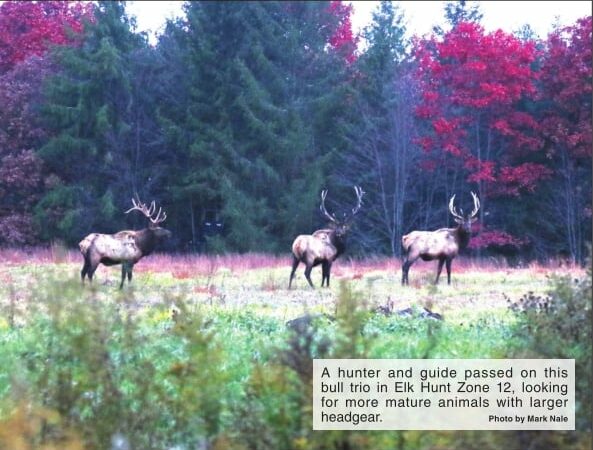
x=82, y=369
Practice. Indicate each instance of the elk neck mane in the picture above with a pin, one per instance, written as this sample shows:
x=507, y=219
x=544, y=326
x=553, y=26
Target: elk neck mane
x=463, y=236
x=339, y=242
x=146, y=240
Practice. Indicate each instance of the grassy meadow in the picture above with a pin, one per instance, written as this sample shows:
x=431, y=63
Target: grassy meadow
x=196, y=352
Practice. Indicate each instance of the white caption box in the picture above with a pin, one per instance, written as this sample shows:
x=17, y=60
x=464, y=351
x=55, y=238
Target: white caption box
x=443, y=394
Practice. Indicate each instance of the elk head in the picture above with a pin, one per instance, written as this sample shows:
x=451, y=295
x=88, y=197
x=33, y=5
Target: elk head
x=465, y=222
x=341, y=226
x=153, y=222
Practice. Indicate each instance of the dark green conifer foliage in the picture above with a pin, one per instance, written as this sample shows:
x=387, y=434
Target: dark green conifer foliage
x=251, y=125
x=90, y=108
x=460, y=11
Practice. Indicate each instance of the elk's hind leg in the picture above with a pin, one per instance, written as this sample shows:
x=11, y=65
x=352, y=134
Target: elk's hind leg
x=405, y=269
x=449, y=260
x=85, y=268
x=295, y=264
x=408, y=261
x=93, y=262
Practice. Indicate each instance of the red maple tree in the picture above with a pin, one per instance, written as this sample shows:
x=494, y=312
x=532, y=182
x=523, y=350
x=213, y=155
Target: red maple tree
x=343, y=39
x=27, y=31
x=20, y=134
x=30, y=28
x=567, y=89
x=473, y=88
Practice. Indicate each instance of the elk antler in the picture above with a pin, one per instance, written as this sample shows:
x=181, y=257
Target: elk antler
x=359, y=194
x=452, y=209
x=322, y=207
x=331, y=217
x=148, y=212
x=459, y=215
x=476, y=205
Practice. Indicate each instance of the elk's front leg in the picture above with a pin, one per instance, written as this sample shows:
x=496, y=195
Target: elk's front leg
x=328, y=270
x=324, y=273
x=123, y=275
x=126, y=269
x=449, y=261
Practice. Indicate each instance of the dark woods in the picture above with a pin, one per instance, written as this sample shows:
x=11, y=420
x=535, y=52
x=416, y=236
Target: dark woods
x=242, y=112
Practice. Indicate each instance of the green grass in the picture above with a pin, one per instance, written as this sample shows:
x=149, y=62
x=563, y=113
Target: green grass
x=194, y=346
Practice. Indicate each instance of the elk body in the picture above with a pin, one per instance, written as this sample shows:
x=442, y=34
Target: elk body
x=126, y=247
x=443, y=244
x=325, y=245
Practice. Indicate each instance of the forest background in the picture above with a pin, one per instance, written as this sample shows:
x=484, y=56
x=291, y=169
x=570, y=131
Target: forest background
x=242, y=112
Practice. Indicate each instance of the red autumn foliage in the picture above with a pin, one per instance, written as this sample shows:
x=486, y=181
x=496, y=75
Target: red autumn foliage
x=20, y=134
x=27, y=31
x=30, y=28
x=567, y=88
x=343, y=40
x=498, y=238
x=522, y=177
x=472, y=83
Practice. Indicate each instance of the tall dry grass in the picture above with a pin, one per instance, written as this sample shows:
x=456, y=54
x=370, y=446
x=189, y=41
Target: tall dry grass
x=190, y=265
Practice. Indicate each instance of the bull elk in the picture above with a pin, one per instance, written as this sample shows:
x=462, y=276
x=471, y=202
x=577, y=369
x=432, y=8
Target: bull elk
x=443, y=244
x=325, y=245
x=125, y=247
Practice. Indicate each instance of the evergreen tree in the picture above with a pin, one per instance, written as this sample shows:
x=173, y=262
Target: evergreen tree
x=250, y=127
x=89, y=108
x=460, y=11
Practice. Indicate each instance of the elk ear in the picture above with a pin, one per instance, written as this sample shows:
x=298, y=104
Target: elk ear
x=459, y=221
x=473, y=219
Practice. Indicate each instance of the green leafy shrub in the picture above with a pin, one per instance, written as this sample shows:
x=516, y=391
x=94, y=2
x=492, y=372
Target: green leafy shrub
x=109, y=372
x=558, y=325
x=152, y=371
